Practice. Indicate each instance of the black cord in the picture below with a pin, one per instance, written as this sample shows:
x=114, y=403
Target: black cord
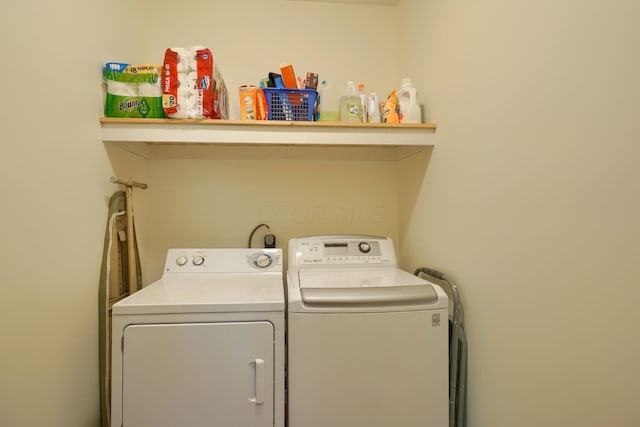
x=256, y=229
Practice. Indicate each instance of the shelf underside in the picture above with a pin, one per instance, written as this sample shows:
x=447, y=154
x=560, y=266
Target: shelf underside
x=165, y=138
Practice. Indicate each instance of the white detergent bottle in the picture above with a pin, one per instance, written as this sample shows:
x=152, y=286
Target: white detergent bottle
x=408, y=101
x=327, y=103
x=350, y=105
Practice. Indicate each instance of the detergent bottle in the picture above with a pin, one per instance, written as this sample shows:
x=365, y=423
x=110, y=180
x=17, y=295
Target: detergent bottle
x=327, y=110
x=350, y=105
x=408, y=101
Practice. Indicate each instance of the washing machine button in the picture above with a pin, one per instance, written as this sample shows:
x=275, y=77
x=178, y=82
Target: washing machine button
x=198, y=260
x=181, y=260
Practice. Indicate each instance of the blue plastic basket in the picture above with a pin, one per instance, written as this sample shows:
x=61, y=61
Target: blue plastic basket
x=290, y=104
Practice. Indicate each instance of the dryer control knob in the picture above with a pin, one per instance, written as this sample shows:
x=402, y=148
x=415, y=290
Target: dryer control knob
x=181, y=260
x=364, y=247
x=198, y=260
x=262, y=260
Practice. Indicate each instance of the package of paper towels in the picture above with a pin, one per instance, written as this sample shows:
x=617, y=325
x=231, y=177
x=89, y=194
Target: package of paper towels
x=192, y=86
x=133, y=90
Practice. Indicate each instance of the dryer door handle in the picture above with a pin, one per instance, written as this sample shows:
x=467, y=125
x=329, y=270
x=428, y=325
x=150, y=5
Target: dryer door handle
x=259, y=382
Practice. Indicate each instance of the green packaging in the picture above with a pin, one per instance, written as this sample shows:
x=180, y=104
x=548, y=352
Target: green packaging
x=133, y=91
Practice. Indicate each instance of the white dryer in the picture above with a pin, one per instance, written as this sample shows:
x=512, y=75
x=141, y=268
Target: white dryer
x=204, y=345
x=367, y=342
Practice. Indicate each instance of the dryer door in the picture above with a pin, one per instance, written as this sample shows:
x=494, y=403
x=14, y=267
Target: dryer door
x=197, y=374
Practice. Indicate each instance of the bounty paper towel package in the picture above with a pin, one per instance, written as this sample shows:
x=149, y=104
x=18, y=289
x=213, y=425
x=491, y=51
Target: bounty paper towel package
x=133, y=90
x=192, y=86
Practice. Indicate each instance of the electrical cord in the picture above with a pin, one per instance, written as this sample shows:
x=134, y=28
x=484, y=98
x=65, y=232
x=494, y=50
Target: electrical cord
x=269, y=239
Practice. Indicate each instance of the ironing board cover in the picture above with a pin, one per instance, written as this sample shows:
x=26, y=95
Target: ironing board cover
x=113, y=287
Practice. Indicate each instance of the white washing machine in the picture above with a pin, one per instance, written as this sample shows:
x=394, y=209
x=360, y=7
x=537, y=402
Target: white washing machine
x=204, y=345
x=367, y=342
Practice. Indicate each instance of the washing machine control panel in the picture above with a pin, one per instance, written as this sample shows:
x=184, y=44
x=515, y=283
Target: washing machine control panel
x=344, y=251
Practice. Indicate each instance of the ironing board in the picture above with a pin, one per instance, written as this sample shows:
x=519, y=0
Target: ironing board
x=113, y=287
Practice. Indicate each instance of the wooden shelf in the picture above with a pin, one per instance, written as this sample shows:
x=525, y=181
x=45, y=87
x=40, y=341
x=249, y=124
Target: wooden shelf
x=234, y=139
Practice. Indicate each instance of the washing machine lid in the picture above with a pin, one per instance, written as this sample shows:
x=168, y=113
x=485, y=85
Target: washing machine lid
x=215, y=293
x=365, y=286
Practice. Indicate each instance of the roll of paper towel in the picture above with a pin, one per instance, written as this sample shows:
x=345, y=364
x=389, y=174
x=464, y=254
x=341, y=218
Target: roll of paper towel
x=150, y=89
x=122, y=88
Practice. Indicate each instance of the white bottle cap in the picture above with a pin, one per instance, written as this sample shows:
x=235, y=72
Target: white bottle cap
x=406, y=82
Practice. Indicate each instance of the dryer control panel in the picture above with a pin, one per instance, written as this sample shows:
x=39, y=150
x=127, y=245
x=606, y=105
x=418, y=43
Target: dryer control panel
x=341, y=250
x=239, y=260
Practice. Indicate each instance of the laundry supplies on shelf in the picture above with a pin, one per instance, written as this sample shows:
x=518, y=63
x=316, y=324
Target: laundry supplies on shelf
x=132, y=90
x=350, y=105
x=408, y=102
x=192, y=86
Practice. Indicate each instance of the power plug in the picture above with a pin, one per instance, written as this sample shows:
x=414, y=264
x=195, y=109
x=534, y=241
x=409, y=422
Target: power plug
x=269, y=240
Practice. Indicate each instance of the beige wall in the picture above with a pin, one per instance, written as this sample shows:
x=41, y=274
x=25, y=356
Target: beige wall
x=54, y=179
x=226, y=199
x=531, y=200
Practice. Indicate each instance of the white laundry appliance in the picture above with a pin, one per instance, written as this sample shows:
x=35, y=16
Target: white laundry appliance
x=204, y=345
x=367, y=342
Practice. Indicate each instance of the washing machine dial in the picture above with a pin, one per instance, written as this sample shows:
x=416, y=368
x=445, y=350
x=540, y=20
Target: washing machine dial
x=181, y=260
x=198, y=260
x=364, y=247
x=263, y=260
